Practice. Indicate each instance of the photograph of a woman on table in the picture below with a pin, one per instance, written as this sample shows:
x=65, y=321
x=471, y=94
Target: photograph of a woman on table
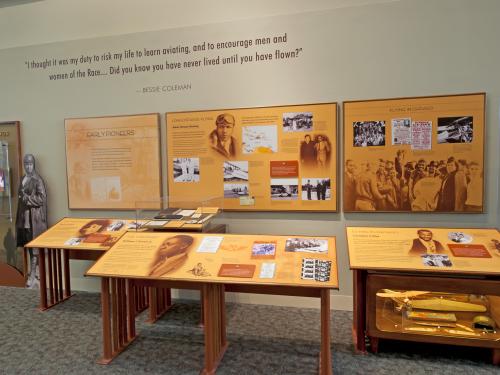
x=171, y=254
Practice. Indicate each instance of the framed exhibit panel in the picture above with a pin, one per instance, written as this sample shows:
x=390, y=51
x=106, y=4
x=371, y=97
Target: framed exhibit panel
x=10, y=173
x=422, y=154
x=113, y=162
x=259, y=159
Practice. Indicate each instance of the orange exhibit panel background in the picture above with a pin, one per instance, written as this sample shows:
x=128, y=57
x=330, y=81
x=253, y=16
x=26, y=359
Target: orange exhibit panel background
x=113, y=162
x=256, y=159
x=414, y=154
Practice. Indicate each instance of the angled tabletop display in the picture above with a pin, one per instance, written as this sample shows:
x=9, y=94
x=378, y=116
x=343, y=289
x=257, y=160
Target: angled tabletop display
x=438, y=285
x=213, y=263
x=72, y=238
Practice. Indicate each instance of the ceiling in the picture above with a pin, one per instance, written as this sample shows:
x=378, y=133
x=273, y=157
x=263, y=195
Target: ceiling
x=12, y=3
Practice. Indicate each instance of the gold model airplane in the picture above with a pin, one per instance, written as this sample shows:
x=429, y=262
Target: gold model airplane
x=429, y=302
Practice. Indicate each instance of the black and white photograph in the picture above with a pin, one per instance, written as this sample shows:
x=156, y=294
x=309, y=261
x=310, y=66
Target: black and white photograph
x=235, y=190
x=316, y=189
x=433, y=260
x=235, y=171
x=74, y=241
x=368, y=133
x=460, y=237
x=115, y=225
x=306, y=245
x=297, y=121
x=136, y=224
x=455, y=129
x=260, y=139
x=284, y=189
x=186, y=169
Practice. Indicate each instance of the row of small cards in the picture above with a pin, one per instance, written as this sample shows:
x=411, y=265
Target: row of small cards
x=316, y=269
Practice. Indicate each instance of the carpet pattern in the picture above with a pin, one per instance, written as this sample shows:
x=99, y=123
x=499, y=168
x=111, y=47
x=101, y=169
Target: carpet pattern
x=262, y=340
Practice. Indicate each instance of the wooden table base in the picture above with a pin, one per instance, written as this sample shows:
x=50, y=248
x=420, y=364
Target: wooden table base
x=55, y=286
x=214, y=317
x=325, y=357
x=118, y=316
x=160, y=301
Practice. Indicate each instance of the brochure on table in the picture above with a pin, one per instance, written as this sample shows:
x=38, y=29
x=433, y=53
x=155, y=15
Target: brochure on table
x=83, y=233
x=259, y=159
x=471, y=250
x=228, y=258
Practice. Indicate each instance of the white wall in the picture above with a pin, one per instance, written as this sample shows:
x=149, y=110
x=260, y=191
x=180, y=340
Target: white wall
x=351, y=50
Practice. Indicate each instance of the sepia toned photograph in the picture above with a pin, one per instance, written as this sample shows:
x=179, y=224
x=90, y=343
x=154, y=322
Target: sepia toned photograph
x=297, y=121
x=235, y=171
x=186, y=169
x=409, y=183
x=221, y=139
x=260, y=139
x=368, y=133
x=455, y=129
x=316, y=189
x=170, y=255
x=106, y=188
x=235, y=190
x=284, y=188
x=315, y=151
x=307, y=245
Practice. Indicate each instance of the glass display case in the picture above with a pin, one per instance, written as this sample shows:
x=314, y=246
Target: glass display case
x=179, y=214
x=474, y=316
x=6, y=205
x=453, y=309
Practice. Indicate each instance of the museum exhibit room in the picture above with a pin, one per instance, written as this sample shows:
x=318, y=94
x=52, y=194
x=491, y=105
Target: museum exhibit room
x=275, y=187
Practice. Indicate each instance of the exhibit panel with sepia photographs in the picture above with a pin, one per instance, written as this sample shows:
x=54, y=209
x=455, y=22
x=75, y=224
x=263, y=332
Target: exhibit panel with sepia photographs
x=113, y=162
x=259, y=159
x=422, y=154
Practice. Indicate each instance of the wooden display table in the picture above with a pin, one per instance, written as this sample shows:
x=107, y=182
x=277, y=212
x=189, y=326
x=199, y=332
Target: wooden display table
x=88, y=239
x=172, y=260
x=71, y=238
x=425, y=285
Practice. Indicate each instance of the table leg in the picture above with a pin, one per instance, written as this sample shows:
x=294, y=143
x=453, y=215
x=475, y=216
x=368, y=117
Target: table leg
x=67, y=281
x=50, y=277
x=43, y=279
x=325, y=359
x=52, y=274
x=118, y=317
x=215, y=330
x=359, y=313
x=160, y=301
x=496, y=357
